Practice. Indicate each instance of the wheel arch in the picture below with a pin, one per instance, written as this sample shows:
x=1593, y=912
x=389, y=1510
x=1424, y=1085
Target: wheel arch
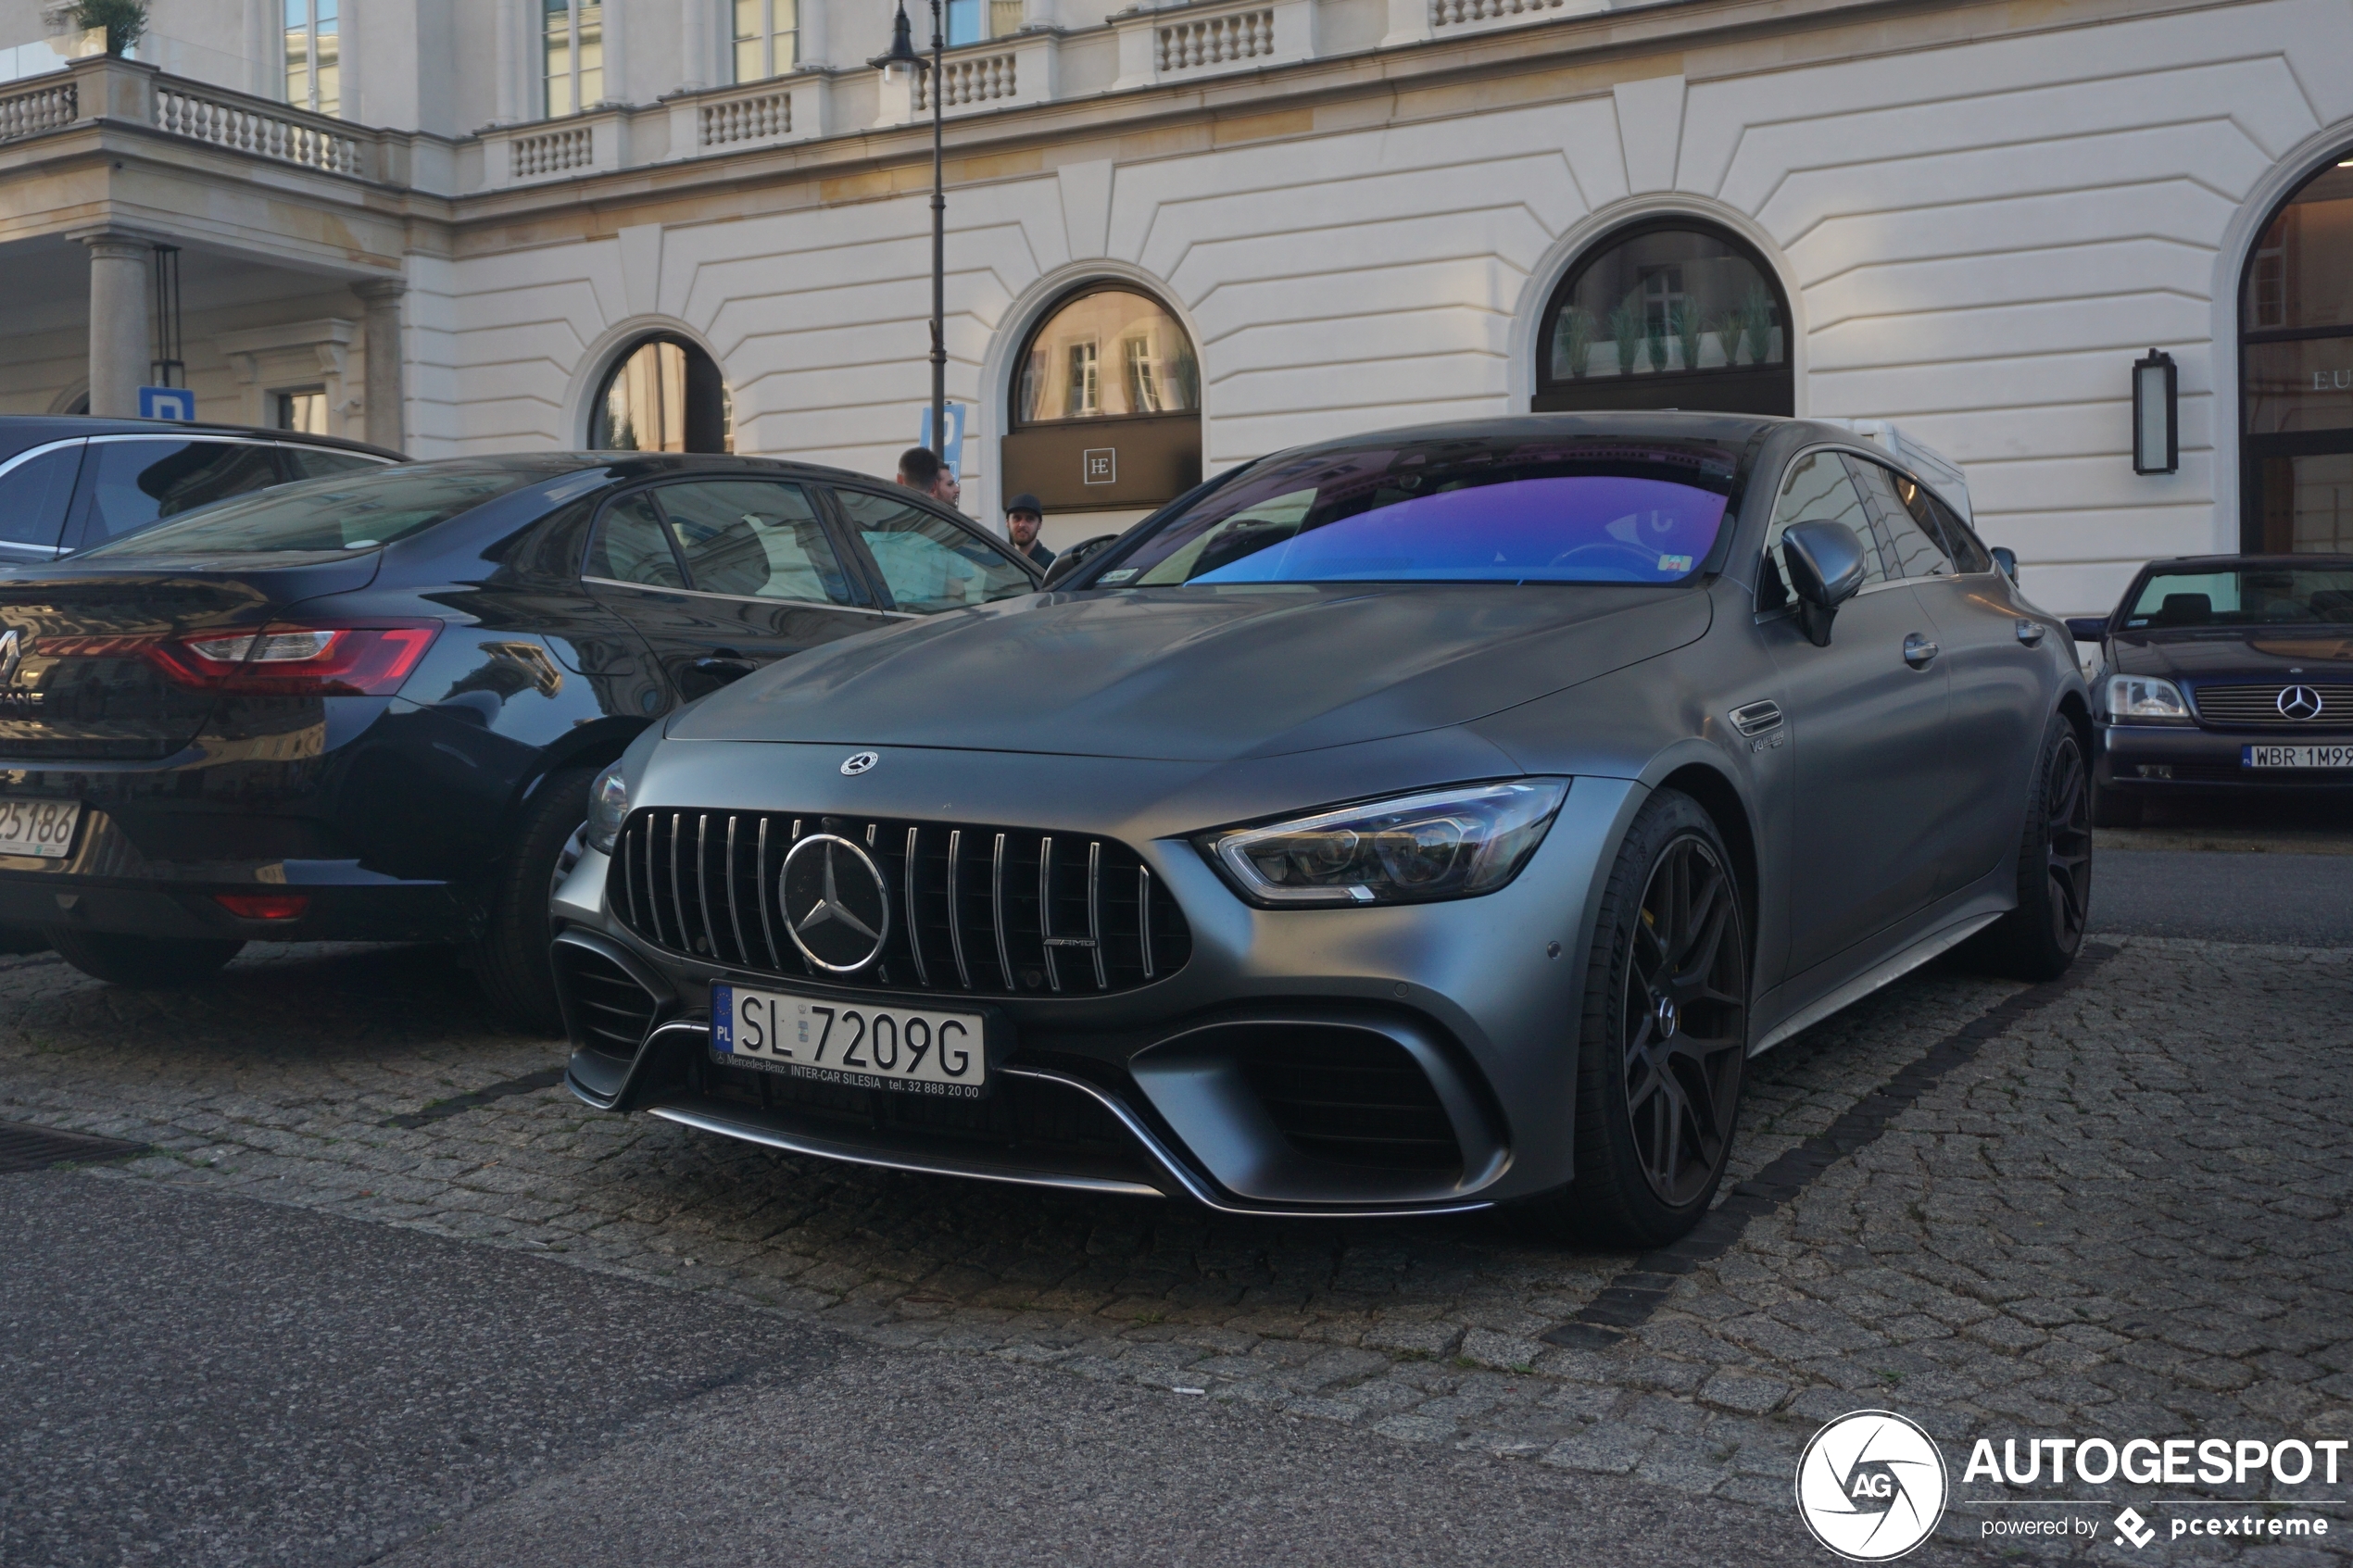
x=593, y=744
x=1728, y=808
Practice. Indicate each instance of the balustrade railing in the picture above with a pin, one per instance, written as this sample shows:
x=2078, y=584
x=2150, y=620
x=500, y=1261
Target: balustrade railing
x=247, y=129
x=44, y=108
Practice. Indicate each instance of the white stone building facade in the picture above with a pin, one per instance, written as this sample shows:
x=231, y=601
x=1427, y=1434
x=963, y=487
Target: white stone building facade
x=1974, y=216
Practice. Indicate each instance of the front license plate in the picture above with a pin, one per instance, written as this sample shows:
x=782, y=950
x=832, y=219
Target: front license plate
x=2296, y=755
x=38, y=827
x=913, y=1049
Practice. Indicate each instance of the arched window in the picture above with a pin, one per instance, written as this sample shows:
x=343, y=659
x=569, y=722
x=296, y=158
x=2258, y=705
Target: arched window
x=2295, y=358
x=665, y=395
x=1669, y=314
x=1106, y=410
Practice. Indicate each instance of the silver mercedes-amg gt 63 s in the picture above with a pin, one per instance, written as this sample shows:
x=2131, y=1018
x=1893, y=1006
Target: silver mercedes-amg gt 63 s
x=1435, y=818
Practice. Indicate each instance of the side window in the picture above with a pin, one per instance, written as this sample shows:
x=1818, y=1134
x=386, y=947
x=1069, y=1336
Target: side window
x=755, y=540
x=318, y=462
x=1961, y=543
x=1914, y=551
x=144, y=482
x=33, y=496
x=929, y=563
x=1819, y=489
x=633, y=545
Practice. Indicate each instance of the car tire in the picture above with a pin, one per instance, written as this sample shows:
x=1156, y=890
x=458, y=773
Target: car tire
x=510, y=955
x=2038, y=938
x=146, y=963
x=1658, y=1088
x=2112, y=807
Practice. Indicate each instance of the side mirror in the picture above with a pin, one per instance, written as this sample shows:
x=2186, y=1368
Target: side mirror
x=2087, y=628
x=1079, y=555
x=2007, y=559
x=1825, y=561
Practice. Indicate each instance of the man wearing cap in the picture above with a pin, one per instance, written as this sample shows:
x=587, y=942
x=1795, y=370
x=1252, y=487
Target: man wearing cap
x=1023, y=516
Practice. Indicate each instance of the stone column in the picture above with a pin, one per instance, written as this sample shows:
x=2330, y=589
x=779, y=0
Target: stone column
x=118, y=337
x=381, y=404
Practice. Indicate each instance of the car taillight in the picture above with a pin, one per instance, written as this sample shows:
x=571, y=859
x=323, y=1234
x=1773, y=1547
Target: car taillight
x=265, y=906
x=300, y=660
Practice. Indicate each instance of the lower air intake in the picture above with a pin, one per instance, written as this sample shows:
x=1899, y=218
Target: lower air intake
x=610, y=1012
x=1352, y=1096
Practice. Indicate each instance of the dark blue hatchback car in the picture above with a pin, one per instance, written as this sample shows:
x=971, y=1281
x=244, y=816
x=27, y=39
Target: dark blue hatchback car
x=369, y=707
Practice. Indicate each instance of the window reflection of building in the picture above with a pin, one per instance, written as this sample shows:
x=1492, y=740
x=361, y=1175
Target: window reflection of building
x=313, y=56
x=2295, y=362
x=1668, y=314
x=304, y=411
x=970, y=21
x=572, y=55
x=767, y=38
x=665, y=395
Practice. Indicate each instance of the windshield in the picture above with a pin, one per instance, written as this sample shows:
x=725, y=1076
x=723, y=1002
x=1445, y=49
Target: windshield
x=2268, y=596
x=1591, y=510
x=344, y=512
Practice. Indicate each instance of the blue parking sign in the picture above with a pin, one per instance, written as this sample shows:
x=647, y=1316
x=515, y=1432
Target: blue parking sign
x=954, y=453
x=167, y=403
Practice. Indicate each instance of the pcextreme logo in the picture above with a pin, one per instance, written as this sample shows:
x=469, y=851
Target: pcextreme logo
x=1871, y=1485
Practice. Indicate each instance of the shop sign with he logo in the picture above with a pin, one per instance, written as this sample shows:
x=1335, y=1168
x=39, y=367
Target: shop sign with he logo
x=1098, y=465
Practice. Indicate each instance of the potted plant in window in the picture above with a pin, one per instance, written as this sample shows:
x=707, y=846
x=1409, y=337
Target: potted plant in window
x=1626, y=326
x=1572, y=343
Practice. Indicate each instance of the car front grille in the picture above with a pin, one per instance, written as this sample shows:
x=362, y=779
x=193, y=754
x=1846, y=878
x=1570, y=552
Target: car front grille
x=995, y=910
x=2261, y=705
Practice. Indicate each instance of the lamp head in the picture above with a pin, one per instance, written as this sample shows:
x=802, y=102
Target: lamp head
x=902, y=55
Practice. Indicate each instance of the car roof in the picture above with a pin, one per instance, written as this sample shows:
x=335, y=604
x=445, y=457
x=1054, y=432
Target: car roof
x=21, y=431
x=2234, y=563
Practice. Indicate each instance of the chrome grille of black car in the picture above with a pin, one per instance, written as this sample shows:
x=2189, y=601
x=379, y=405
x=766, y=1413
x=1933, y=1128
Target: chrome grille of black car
x=2261, y=705
x=996, y=910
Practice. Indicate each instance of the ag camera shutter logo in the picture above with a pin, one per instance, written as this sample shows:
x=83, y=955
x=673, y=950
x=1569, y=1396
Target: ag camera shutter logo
x=1871, y=1485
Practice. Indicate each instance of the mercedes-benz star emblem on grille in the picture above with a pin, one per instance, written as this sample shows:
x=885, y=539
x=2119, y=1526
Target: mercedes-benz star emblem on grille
x=2299, y=702
x=836, y=905
x=858, y=762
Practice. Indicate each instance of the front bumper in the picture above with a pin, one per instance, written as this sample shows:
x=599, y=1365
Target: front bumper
x=1177, y=1086
x=2153, y=757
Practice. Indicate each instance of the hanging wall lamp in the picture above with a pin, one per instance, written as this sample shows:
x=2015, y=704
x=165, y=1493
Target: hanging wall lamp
x=2157, y=434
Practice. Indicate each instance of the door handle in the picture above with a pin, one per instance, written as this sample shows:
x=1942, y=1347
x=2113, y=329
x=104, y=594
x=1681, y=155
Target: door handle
x=1918, y=652
x=2030, y=631
x=721, y=669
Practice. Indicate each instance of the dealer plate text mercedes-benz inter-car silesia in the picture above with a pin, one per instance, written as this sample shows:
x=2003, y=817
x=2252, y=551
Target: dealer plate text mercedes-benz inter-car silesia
x=1425, y=820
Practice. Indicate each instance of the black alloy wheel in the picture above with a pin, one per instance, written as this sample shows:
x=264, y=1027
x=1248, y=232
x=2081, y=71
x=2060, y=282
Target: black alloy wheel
x=1661, y=1038
x=2067, y=842
x=510, y=954
x=2038, y=938
x=1684, y=1021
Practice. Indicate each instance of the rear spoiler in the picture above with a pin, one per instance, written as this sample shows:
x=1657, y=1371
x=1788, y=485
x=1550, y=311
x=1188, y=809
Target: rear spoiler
x=1941, y=475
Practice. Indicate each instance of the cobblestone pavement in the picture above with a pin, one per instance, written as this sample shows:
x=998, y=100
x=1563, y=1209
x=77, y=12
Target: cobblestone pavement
x=2125, y=1216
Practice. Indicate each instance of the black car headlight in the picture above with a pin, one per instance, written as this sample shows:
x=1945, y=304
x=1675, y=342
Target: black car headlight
x=1455, y=843
x=608, y=807
x=2139, y=700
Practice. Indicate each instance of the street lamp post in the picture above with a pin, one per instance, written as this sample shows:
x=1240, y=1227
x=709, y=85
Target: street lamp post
x=902, y=57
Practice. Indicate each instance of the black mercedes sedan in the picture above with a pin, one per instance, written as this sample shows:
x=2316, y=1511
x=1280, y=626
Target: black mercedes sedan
x=1430, y=820
x=370, y=706
x=2223, y=673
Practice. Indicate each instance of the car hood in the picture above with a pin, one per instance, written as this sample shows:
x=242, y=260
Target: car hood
x=1203, y=674
x=2323, y=653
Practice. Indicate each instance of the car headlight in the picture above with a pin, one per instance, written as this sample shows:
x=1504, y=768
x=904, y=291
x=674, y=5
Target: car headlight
x=608, y=807
x=2144, y=696
x=1453, y=843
